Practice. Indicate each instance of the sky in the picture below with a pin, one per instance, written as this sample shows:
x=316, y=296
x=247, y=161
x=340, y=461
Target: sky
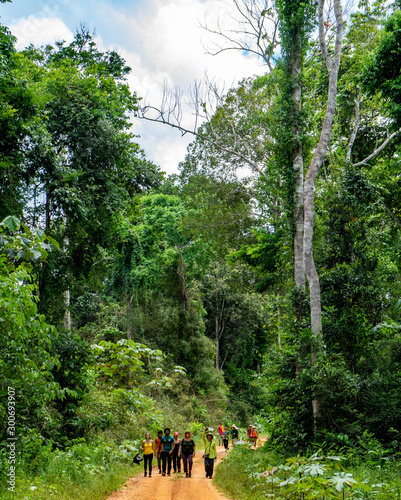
x=161, y=40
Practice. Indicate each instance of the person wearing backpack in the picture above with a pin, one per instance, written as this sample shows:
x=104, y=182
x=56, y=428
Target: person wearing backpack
x=226, y=436
x=234, y=434
x=254, y=436
x=187, y=451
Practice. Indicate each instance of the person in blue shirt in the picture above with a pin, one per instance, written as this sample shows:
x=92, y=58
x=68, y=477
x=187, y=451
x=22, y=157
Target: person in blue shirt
x=167, y=443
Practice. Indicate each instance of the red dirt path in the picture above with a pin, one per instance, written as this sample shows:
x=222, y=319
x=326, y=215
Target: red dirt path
x=175, y=487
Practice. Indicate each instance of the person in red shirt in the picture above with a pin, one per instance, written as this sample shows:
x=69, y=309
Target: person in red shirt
x=220, y=429
x=159, y=449
x=249, y=432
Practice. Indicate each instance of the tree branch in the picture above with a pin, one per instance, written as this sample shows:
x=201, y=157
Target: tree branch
x=253, y=17
x=161, y=119
x=355, y=128
x=391, y=214
x=378, y=150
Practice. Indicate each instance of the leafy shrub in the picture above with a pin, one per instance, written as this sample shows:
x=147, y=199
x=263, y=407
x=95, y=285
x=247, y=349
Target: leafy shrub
x=317, y=476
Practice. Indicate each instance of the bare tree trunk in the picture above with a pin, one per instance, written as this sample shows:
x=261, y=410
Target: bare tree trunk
x=181, y=274
x=298, y=164
x=67, y=314
x=317, y=160
x=299, y=264
x=355, y=128
x=129, y=314
x=219, y=328
x=217, y=343
x=47, y=211
x=67, y=294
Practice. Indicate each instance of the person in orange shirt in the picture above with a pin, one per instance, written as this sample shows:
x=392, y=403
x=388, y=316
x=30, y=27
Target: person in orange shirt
x=159, y=449
x=254, y=436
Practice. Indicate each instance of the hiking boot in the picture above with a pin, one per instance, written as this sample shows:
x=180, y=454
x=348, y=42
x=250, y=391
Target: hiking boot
x=189, y=473
x=186, y=474
x=163, y=473
x=160, y=471
x=145, y=473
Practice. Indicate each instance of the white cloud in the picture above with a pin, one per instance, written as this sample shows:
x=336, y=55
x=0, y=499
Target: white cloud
x=163, y=145
x=161, y=41
x=40, y=31
x=163, y=44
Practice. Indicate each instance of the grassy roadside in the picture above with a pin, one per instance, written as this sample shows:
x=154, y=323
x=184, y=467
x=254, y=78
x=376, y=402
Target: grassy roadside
x=233, y=475
x=83, y=472
x=242, y=476
x=94, y=487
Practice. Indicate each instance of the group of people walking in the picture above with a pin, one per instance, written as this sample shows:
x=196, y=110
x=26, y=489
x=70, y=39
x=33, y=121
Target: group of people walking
x=252, y=435
x=170, y=450
x=225, y=434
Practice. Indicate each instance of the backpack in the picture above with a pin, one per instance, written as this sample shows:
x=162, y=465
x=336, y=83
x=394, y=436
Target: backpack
x=188, y=446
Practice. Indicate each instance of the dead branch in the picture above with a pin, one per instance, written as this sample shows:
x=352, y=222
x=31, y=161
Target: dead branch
x=163, y=117
x=378, y=150
x=256, y=34
x=257, y=31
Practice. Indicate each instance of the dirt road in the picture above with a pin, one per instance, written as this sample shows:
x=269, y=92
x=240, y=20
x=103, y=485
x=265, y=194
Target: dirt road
x=175, y=487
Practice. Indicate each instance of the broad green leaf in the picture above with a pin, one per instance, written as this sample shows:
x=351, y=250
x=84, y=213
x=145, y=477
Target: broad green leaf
x=12, y=222
x=341, y=479
x=36, y=255
x=315, y=469
x=53, y=242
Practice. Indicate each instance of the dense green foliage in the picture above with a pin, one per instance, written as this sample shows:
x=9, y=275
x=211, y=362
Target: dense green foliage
x=129, y=301
x=265, y=474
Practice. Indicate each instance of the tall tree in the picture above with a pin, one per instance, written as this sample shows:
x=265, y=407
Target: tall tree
x=81, y=165
x=296, y=21
x=333, y=65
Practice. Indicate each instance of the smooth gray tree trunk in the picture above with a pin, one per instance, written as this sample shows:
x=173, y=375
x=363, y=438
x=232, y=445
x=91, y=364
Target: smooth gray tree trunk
x=298, y=164
x=332, y=65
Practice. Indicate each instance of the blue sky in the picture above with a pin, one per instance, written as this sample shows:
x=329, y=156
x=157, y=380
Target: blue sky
x=161, y=40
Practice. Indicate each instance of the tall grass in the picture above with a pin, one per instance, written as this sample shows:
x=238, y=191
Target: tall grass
x=88, y=470
x=85, y=471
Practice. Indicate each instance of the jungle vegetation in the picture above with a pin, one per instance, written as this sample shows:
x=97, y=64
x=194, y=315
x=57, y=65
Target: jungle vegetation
x=130, y=299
